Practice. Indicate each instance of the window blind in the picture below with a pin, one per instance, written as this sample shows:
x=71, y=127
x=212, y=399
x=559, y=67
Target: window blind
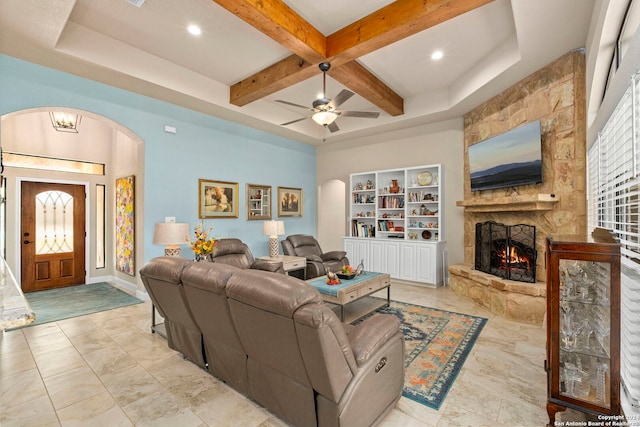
x=613, y=175
x=613, y=200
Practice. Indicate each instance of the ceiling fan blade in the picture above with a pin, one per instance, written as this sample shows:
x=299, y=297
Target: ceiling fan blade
x=294, y=105
x=363, y=114
x=333, y=127
x=293, y=121
x=340, y=98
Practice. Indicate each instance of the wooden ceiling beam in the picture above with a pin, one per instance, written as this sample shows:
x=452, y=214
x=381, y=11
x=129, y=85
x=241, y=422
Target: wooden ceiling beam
x=278, y=21
x=278, y=76
x=360, y=80
x=392, y=23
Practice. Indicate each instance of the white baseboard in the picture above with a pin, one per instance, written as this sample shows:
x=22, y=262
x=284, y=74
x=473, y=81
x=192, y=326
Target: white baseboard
x=98, y=279
x=130, y=288
x=142, y=295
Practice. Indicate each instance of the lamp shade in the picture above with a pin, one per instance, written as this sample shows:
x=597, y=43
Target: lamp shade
x=171, y=234
x=273, y=228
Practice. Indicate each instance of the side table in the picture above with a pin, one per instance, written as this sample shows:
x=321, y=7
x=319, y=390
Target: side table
x=290, y=264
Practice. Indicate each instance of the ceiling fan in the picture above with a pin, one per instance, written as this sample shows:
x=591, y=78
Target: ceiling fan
x=325, y=110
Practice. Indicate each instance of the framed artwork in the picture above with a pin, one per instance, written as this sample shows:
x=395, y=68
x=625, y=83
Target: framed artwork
x=258, y=202
x=217, y=199
x=125, y=225
x=289, y=201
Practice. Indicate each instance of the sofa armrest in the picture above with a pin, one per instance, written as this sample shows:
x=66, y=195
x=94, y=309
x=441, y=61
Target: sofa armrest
x=334, y=256
x=371, y=334
x=274, y=267
x=313, y=258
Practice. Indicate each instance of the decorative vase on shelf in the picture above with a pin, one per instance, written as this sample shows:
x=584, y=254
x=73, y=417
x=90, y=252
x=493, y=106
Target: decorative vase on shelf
x=201, y=257
x=394, y=188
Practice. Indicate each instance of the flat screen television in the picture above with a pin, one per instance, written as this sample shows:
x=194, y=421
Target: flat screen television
x=510, y=159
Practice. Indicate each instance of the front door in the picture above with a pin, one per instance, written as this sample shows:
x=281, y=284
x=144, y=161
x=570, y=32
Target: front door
x=52, y=235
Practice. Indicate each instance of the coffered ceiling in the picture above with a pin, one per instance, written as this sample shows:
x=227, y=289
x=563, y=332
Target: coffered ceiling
x=252, y=53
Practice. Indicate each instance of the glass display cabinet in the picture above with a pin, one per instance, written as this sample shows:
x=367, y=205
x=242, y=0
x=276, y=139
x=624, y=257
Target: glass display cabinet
x=583, y=325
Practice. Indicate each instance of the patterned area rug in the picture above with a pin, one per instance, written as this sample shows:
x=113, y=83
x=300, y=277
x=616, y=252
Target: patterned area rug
x=437, y=343
x=64, y=303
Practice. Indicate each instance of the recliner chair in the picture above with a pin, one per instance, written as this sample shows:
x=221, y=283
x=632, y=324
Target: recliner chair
x=304, y=245
x=236, y=253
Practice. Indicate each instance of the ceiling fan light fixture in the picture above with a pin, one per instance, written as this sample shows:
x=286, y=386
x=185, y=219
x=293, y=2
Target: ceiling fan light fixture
x=324, y=118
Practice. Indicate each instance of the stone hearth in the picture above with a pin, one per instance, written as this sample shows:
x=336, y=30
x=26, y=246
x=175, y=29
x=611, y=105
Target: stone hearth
x=523, y=302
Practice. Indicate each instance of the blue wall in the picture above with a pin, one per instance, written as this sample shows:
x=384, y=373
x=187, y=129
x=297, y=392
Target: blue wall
x=203, y=147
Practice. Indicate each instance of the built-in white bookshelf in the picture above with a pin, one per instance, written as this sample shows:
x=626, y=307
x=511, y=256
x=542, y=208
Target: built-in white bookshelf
x=396, y=223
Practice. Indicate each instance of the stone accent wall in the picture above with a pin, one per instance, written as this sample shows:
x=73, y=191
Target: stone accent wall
x=555, y=95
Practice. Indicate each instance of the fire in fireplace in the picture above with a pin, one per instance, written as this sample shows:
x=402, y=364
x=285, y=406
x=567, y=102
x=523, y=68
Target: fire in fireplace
x=506, y=251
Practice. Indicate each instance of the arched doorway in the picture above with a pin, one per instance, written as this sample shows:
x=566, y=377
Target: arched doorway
x=99, y=140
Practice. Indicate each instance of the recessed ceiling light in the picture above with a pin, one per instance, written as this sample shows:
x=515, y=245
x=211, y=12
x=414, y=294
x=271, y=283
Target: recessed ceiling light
x=438, y=54
x=194, y=29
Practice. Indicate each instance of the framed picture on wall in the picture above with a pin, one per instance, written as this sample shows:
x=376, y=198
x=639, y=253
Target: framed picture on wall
x=258, y=202
x=125, y=225
x=217, y=199
x=289, y=201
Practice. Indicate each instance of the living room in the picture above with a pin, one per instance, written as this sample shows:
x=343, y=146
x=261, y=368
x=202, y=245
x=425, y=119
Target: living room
x=131, y=127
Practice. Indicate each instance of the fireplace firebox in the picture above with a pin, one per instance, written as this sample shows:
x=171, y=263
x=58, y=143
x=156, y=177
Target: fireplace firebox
x=507, y=251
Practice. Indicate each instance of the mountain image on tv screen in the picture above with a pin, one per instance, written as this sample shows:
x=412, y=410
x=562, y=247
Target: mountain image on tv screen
x=511, y=159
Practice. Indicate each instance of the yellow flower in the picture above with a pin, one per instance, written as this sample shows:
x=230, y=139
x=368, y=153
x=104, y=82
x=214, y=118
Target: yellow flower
x=201, y=244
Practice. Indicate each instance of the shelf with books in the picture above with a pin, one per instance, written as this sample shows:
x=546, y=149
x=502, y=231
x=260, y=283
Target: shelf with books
x=398, y=203
x=363, y=205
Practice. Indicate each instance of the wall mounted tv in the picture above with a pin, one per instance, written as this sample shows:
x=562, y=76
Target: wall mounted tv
x=508, y=160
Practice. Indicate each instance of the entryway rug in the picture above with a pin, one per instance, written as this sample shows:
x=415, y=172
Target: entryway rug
x=64, y=303
x=437, y=343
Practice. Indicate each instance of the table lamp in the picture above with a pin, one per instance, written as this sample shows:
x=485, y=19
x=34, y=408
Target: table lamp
x=171, y=234
x=273, y=229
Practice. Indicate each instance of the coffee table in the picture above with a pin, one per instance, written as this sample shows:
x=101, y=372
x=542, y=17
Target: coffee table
x=353, y=296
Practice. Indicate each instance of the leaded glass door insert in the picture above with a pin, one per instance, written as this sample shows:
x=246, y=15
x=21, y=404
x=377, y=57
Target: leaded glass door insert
x=54, y=222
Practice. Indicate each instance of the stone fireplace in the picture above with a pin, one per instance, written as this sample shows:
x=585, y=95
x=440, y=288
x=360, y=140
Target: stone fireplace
x=556, y=96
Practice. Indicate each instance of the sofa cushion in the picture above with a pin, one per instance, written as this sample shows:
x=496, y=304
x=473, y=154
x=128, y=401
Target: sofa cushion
x=279, y=294
x=208, y=276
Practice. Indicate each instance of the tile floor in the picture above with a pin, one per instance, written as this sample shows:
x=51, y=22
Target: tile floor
x=107, y=369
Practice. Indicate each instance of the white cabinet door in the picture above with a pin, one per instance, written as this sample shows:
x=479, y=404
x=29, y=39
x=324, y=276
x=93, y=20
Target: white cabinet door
x=425, y=262
x=391, y=260
x=385, y=257
x=421, y=262
x=377, y=257
x=408, y=261
x=363, y=253
x=350, y=249
x=358, y=250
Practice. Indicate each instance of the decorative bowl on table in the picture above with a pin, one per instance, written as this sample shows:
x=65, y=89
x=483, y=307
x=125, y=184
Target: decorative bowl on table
x=346, y=276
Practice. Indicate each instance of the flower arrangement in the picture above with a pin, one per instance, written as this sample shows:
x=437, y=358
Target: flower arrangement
x=202, y=244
